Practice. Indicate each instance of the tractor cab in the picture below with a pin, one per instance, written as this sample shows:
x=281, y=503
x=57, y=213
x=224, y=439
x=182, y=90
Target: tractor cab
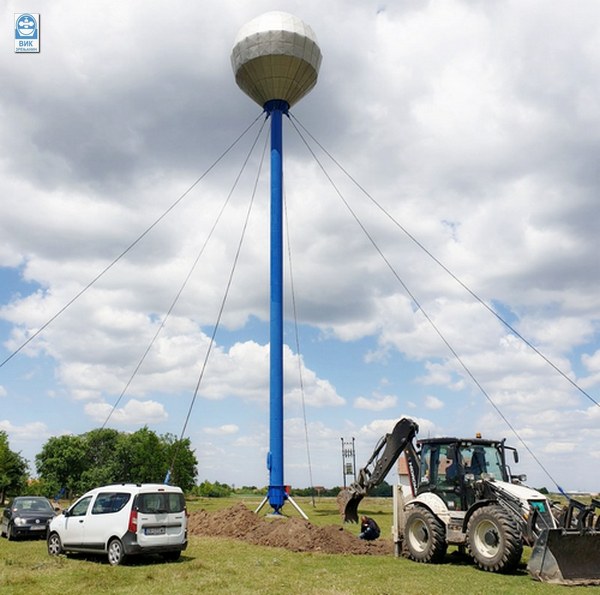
x=449, y=467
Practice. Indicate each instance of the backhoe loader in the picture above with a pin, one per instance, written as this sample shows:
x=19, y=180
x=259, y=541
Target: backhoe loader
x=461, y=492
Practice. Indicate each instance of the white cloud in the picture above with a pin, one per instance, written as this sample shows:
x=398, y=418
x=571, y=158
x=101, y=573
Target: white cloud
x=561, y=447
x=376, y=403
x=432, y=402
x=134, y=412
x=28, y=432
x=481, y=143
x=226, y=429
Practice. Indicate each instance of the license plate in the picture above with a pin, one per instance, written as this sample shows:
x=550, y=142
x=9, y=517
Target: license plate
x=155, y=531
x=38, y=527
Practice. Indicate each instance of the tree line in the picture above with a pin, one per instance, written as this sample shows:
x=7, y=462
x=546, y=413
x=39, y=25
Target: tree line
x=69, y=465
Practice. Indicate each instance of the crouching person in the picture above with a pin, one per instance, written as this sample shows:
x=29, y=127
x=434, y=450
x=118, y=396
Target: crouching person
x=369, y=530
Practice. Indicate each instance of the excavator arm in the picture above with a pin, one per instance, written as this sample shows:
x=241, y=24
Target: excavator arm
x=386, y=453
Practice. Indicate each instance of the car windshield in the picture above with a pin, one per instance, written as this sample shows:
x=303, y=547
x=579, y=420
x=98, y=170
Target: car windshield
x=33, y=505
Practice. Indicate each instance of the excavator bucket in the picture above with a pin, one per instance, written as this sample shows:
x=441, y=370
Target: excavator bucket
x=348, y=502
x=566, y=557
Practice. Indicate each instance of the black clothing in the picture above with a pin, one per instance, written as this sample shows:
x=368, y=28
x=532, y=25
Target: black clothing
x=369, y=529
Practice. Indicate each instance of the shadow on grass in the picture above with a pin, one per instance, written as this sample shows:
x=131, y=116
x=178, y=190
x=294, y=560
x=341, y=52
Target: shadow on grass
x=136, y=561
x=461, y=558
x=27, y=537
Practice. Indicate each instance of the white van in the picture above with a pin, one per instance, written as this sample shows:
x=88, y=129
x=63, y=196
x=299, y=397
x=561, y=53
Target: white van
x=123, y=520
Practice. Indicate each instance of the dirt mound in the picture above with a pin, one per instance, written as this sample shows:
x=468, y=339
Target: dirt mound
x=293, y=534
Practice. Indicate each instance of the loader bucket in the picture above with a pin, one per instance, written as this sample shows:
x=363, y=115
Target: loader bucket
x=566, y=557
x=348, y=502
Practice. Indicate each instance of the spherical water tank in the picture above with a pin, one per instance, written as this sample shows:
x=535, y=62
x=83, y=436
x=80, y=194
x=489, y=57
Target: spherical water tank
x=276, y=56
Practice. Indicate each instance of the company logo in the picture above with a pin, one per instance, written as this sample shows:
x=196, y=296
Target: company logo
x=27, y=32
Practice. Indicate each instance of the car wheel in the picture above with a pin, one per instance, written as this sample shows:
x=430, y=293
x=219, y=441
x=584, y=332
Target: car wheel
x=172, y=556
x=115, y=552
x=54, y=544
x=10, y=533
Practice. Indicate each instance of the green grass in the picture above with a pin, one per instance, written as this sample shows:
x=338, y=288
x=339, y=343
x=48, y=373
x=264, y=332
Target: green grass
x=216, y=565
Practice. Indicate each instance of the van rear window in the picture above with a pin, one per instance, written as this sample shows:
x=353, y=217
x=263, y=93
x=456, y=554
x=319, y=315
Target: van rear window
x=157, y=502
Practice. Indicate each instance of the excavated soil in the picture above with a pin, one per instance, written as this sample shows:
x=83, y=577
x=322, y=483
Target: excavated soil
x=297, y=535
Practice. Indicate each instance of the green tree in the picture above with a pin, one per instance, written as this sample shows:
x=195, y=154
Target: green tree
x=61, y=463
x=101, y=464
x=383, y=490
x=181, y=461
x=143, y=457
x=104, y=456
x=13, y=469
x=213, y=490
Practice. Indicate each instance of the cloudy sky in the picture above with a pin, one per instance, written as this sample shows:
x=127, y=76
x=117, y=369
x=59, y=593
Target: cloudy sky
x=474, y=128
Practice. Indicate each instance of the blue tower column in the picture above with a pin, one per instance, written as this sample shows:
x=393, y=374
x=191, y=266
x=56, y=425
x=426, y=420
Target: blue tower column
x=276, y=494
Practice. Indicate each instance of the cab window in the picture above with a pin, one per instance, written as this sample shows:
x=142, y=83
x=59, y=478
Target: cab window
x=439, y=465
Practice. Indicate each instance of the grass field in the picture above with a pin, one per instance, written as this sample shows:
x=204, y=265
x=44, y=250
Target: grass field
x=218, y=565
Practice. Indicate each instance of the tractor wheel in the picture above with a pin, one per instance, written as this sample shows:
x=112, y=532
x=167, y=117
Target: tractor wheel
x=424, y=537
x=494, y=539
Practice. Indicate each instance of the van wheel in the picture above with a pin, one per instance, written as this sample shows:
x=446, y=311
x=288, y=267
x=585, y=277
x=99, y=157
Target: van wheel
x=172, y=556
x=54, y=544
x=115, y=552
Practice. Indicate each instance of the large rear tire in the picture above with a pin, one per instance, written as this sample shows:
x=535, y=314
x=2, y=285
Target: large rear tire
x=424, y=537
x=494, y=539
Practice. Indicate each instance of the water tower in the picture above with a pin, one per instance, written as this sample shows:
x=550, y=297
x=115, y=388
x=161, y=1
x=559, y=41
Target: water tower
x=276, y=61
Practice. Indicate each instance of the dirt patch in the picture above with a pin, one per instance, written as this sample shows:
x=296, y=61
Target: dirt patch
x=294, y=534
